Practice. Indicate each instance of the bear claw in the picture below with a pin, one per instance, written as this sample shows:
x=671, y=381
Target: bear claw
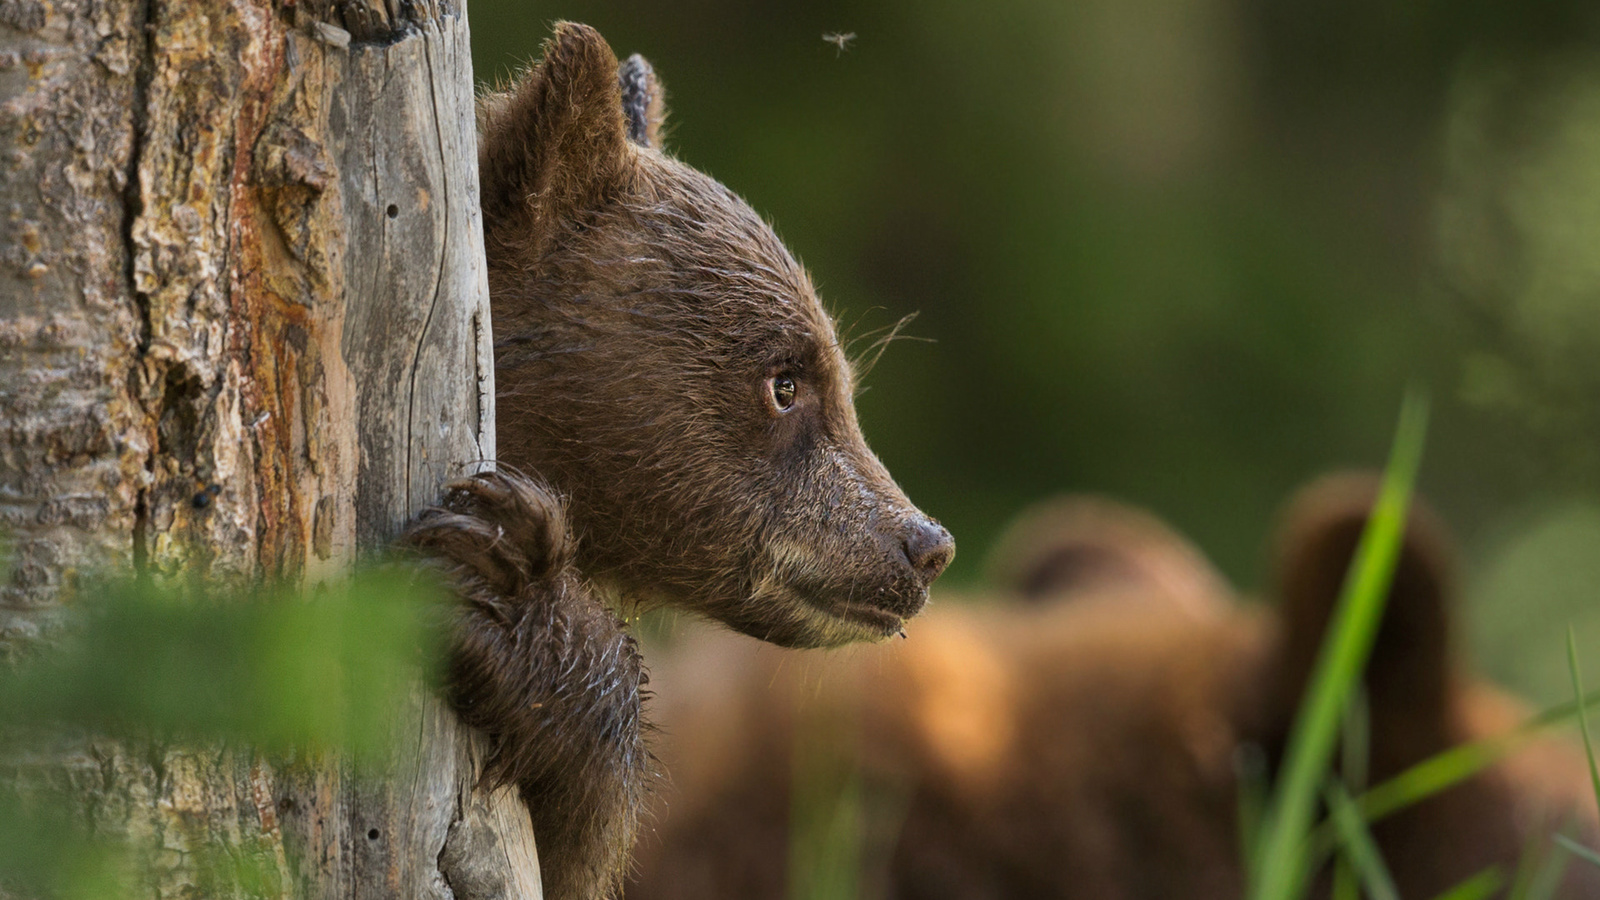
x=504, y=529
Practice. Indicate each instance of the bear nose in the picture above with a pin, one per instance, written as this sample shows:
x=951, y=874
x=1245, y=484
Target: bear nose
x=928, y=547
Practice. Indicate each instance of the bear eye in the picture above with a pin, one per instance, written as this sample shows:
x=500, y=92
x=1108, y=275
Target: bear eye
x=781, y=391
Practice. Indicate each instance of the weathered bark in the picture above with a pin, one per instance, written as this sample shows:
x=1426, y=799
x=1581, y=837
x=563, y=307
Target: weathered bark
x=244, y=331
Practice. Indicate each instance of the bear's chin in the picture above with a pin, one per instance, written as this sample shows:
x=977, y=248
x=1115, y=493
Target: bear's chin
x=798, y=618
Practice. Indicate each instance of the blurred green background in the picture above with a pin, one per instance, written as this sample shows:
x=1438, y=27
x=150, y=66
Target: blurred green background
x=1185, y=252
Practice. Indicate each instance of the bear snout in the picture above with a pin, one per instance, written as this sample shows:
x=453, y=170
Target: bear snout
x=927, y=546
x=918, y=549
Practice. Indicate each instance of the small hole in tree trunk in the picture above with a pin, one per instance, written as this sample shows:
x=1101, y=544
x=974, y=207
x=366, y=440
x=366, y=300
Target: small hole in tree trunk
x=373, y=834
x=393, y=210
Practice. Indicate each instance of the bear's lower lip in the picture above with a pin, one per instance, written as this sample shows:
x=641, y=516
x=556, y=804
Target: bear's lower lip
x=879, y=621
x=871, y=619
x=868, y=620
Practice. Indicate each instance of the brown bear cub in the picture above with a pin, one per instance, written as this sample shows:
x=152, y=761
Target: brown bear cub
x=1086, y=741
x=679, y=399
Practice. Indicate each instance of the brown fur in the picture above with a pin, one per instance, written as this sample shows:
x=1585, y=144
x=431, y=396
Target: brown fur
x=1087, y=747
x=649, y=328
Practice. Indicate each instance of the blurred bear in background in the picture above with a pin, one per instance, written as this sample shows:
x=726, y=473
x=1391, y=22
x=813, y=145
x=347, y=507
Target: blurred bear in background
x=1086, y=737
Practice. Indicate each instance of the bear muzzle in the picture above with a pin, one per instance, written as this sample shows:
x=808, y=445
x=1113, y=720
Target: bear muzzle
x=916, y=549
x=928, y=548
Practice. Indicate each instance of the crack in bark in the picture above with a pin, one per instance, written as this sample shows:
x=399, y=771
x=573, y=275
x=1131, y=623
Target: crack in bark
x=438, y=278
x=132, y=198
x=483, y=404
x=132, y=209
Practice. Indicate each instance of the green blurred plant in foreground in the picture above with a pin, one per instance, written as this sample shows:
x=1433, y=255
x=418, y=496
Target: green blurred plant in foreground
x=266, y=670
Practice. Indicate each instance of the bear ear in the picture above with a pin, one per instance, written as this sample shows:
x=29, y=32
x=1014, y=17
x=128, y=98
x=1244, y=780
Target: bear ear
x=1409, y=673
x=557, y=138
x=644, y=101
x=1080, y=547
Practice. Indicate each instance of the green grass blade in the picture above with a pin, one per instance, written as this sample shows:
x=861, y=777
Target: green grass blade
x=1443, y=771
x=1356, y=747
x=826, y=810
x=1547, y=878
x=1281, y=857
x=1583, y=715
x=1353, y=769
x=1346, y=883
x=1578, y=850
x=1484, y=884
x=1539, y=872
x=1250, y=774
x=1359, y=847
x=1533, y=857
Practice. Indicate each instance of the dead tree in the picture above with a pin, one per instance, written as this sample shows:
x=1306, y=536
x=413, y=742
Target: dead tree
x=244, y=330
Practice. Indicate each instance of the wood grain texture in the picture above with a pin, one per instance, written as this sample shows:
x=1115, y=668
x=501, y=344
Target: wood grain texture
x=244, y=332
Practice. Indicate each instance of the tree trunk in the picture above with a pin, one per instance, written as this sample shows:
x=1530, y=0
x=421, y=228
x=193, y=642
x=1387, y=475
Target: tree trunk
x=244, y=331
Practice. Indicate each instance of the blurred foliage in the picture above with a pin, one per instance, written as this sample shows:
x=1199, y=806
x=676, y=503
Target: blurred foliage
x=269, y=669
x=828, y=831
x=1186, y=252
x=262, y=670
x=844, y=821
x=1545, y=574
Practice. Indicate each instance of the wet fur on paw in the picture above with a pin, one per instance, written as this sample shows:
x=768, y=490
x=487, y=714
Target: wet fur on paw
x=541, y=665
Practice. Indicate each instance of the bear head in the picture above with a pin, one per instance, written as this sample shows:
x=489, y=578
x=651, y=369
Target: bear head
x=664, y=363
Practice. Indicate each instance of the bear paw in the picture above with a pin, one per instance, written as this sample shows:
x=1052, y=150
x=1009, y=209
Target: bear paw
x=503, y=530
